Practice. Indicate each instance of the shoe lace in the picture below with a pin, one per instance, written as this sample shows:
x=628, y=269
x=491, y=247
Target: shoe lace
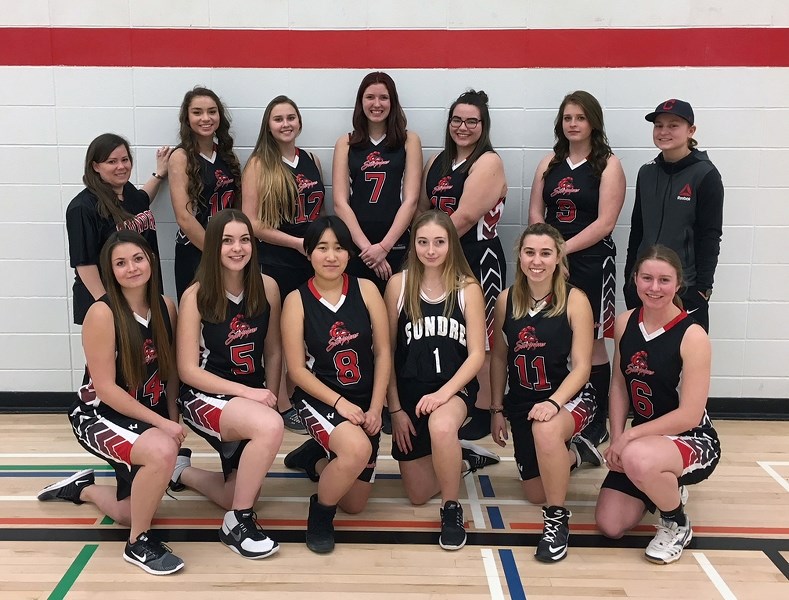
x=453, y=516
x=249, y=525
x=551, y=528
x=153, y=546
x=665, y=535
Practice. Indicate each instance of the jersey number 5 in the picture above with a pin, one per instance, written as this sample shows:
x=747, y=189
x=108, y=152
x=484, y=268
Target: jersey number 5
x=240, y=354
x=347, y=364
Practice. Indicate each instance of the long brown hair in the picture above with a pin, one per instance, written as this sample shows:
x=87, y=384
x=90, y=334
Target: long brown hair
x=395, y=122
x=480, y=100
x=601, y=150
x=99, y=151
x=520, y=289
x=211, y=298
x=224, y=146
x=457, y=273
x=667, y=255
x=276, y=187
x=128, y=339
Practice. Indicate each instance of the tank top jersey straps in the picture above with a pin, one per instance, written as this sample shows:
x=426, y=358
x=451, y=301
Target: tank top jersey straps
x=376, y=180
x=538, y=348
x=571, y=194
x=652, y=366
x=219, y=192
x=233, y=349
x=431, y=349
x=445, y=192
x=339, y=341
x=152, y=392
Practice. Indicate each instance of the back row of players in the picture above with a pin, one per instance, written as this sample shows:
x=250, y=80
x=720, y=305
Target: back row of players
x=435, y=301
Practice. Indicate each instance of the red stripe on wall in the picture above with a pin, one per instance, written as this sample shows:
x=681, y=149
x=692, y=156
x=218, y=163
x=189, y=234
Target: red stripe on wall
x=386, y=49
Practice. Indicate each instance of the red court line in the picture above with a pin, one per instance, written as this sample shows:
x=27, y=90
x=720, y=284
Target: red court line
x=417, y=49
x=755, y=531
x=45, y=521
x=303, y=522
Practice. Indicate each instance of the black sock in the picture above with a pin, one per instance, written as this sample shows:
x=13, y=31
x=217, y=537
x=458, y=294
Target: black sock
x=677, y=515
x=600, y=378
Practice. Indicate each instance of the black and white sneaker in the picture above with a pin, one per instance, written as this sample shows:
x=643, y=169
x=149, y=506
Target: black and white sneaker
x=241, y=533
x=477, y=425
x=669, y=541
x=152, y=556
x=476, y=457
x=552, y=546
x=453, y=531
x=596, y=432
x=292, y=421
x=68, y=489
x=585, y=452
x=183, y=460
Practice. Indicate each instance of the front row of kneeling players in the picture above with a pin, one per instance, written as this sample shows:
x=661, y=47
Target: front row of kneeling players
x=336, y=340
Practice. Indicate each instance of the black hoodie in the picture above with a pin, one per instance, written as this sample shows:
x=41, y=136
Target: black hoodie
x=679, y=205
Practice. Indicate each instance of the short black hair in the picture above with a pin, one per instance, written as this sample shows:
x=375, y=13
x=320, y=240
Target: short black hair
x=315, y=230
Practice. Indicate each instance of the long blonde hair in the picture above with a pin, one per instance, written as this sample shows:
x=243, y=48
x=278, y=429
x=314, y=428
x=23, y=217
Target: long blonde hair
x=277, y=191
x=520, y=289
x=457, y=272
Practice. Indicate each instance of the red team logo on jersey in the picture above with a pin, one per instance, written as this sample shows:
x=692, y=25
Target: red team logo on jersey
x=638, y=364
x=139, y=222
x=239, y=329
x=339, y=335
x=564, y=187
x=527, y=340
x=302, y=183
x=149, y=351
x=444, y=184
x=222, y=180
x=374, y=160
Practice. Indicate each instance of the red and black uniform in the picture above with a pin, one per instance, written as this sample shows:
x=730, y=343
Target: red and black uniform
x=109, y=434
x=481, y=244
x=88, y=231
x=220, y=190
x=289, y=267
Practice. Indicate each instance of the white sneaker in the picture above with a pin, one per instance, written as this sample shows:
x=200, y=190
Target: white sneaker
x=668, y=543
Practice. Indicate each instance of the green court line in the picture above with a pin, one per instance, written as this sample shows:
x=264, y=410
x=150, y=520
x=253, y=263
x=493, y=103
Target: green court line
x=54, y=467
x=70, y=576
x=107, y=521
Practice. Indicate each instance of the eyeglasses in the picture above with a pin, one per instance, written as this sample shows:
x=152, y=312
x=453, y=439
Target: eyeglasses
x=470, y=123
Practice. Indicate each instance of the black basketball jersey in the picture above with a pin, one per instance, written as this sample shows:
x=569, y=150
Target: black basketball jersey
x=445, y=191
x=431, y=349
x=233, y=349
x=219, y=192
x=311, y=191
x=572, y=202
x=652, y=366
x=538, y=352
x=152, y=394
x=376, y=177
x=339, y=340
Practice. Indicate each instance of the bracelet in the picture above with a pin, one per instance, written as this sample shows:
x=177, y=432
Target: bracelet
x=494, y=410
x=556, y=404
x=159, y=177
x=336, y=401
x=384, y=247
x=391, y=412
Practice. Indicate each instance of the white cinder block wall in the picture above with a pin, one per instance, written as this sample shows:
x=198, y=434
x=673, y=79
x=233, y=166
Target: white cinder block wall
x=50, y=113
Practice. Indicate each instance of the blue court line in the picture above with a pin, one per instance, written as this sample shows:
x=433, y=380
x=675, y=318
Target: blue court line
x=494, y=516
x=511, y=574
x=486, y=486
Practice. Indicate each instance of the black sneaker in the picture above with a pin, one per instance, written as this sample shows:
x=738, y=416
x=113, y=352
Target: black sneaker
x=596, y=432
x=552, y=546
x=386, y=422
x=68, y=489
x=585, y=452
x=477, y=426
x=453, y=532
x=476, y=457
x=241, y=533
x=320, y=526
x=305, y=457
x=183, y=460
x=152, y=556
x=292, y=421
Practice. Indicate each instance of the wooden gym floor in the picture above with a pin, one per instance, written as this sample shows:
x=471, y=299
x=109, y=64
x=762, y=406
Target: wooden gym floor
x=740, y=546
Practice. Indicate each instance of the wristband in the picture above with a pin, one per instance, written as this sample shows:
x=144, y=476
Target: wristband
x=391, y=412
x=494, y=410
x=556, y=404
x=336, y=401
x=159, y=177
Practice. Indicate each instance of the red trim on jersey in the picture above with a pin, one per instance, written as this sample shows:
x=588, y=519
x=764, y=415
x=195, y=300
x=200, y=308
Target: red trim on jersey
x=317, y=294
x=665, y=327
x=352, y=49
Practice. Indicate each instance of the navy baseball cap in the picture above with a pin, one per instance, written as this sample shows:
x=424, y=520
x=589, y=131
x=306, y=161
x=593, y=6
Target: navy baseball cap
x=672, y=107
